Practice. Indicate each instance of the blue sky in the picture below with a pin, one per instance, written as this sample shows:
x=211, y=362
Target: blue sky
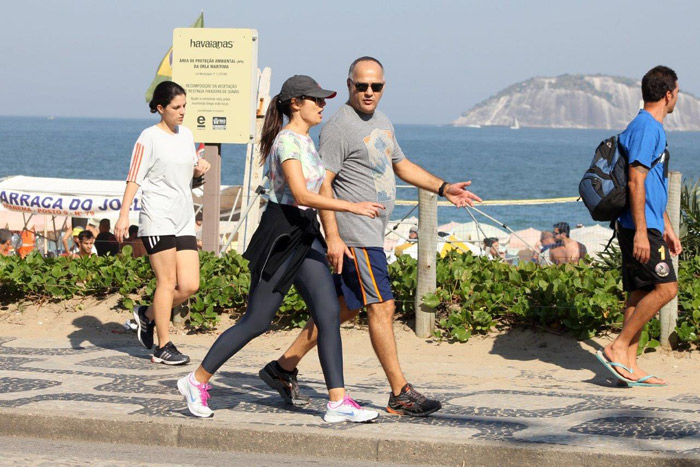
x=96, y=58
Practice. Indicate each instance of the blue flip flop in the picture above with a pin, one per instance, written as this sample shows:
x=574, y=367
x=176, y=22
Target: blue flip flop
x=610, y=366
x=641, y=382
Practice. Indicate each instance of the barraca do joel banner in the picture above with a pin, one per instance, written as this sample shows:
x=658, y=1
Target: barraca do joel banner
x=64, y=197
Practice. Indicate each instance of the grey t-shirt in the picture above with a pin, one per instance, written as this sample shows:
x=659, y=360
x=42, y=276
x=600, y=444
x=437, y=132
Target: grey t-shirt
x=360, y=149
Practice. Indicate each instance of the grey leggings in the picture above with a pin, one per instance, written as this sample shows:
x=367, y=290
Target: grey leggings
x=315, y=284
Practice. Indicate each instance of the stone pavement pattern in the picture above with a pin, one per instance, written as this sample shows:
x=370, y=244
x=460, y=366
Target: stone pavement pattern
x=76, y=389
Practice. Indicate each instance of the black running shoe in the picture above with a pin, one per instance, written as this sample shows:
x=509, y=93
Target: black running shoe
x=144, y=327
x=169, y=355
x=284, y=383
x=411, y=402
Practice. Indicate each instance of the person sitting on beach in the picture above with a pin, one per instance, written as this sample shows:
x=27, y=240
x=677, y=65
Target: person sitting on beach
x=546, y=243
x=413, y=234
x=5, y=242
x=570, y=251
x=198, y=220
x=73, y=233
x=133, y=240
x=106, y=243
x=492, y=248
x=86, y=242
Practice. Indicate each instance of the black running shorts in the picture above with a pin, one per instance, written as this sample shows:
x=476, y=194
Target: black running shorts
x=166, y=242
x=657, y=270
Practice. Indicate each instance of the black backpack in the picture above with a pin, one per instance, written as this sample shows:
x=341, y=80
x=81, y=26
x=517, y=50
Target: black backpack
x=603, y=187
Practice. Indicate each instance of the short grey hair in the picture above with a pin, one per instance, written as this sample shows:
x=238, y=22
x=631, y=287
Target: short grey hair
x=365, y=58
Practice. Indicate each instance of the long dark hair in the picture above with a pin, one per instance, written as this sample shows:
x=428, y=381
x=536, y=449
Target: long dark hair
x=274, y=117
x=164, y=93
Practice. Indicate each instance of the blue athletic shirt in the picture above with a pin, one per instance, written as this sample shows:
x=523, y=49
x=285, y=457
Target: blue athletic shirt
x=645, y=142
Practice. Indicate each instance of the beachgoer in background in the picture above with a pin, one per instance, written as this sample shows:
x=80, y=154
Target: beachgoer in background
x=546, y=243
x=106, y=243
x=492, y=248
x=86, y=243
x=72, y=233
x=28, y=237
x=567, y=250
x=5, y=242
x=92, y=227
x=163, y=164
x=133, y=240
x=644, y=230
x=198, y=218
x=361, y=155
x=287, y=248
x=413, y=233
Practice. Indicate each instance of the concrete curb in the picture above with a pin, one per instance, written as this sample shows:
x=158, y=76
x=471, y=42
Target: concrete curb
x=314, y=442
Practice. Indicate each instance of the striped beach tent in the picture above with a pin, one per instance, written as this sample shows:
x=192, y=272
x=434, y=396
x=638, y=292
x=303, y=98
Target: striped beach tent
x=165, y=69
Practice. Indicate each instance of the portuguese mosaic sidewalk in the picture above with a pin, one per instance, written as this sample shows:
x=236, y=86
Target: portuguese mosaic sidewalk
x=535, y=401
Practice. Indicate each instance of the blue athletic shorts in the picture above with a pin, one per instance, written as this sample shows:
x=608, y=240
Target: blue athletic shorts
x=364, y=279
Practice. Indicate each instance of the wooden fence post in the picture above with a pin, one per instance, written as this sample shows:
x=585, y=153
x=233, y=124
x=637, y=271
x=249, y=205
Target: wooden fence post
x=212, y=199
x=253, y=170
x=427, y=249
x=669, y=313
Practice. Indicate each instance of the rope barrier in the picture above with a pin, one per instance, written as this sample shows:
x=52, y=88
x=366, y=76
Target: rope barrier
x=501, y=202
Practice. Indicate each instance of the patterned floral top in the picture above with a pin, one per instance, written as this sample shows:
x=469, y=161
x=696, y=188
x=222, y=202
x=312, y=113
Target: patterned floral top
x=291, y=145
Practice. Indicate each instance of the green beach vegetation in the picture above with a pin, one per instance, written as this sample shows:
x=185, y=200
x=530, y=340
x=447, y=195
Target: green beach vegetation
x=474, y=295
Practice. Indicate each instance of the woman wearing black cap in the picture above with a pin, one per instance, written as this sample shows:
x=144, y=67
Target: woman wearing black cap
x=287, y=248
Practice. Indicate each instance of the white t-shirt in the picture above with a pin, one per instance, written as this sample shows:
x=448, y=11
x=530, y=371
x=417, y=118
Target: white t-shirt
x=162, y=164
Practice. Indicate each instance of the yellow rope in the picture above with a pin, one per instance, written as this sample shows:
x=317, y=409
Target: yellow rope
x=501, y=202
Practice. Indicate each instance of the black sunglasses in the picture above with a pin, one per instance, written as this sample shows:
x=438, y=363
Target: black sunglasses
x=362, y=87
x=320, y=101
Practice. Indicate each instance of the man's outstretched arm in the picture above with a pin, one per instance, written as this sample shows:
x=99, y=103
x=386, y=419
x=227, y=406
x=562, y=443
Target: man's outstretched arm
x=416, y=175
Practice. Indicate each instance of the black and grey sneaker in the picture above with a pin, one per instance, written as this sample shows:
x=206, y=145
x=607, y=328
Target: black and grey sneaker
x=169, y=355
x=411, y=402
x=144, y=327
x=283, y=382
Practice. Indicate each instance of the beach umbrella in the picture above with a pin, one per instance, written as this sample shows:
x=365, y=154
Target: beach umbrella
x=595, y=237
x=453, y=243
x=530, y=236
x=470, y=232
x=444, y=246
x=165, y=69
x=449, y=227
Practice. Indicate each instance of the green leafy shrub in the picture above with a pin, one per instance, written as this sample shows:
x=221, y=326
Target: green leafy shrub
x=474, y=295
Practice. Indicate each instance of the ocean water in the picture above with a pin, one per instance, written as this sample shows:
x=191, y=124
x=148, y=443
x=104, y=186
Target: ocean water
x=501, y=163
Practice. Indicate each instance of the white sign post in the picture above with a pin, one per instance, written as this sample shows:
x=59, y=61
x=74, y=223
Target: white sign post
x=218, y=69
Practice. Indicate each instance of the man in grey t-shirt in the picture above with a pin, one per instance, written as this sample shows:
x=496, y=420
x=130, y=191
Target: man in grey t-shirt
x=362, y=157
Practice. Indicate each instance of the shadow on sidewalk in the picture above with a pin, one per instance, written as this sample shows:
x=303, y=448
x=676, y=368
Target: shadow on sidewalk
x=111, y=336
x=563, y=351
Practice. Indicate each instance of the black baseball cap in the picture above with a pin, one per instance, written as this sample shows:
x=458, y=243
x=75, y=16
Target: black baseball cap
x=302, y=85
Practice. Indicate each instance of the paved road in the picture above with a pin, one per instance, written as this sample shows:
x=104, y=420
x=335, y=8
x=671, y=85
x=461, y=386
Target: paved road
x=43, y=452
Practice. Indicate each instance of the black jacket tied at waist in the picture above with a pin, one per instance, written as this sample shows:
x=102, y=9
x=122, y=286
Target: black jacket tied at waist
x=284, y=231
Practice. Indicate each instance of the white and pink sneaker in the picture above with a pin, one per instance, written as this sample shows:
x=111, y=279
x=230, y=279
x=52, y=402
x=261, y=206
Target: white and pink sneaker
x=348, y=410
x=196, y=395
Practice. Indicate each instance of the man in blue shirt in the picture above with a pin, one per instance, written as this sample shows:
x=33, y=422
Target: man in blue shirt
x=646, y=237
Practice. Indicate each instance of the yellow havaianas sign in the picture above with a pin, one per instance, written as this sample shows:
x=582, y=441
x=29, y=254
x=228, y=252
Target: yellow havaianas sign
x=165, y=69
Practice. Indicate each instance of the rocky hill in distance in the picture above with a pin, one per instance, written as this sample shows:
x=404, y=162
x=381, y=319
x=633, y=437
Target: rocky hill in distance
x=575, y=101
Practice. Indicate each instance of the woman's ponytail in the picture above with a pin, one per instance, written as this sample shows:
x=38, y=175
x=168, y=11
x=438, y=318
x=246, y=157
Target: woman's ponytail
x=273, y=124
